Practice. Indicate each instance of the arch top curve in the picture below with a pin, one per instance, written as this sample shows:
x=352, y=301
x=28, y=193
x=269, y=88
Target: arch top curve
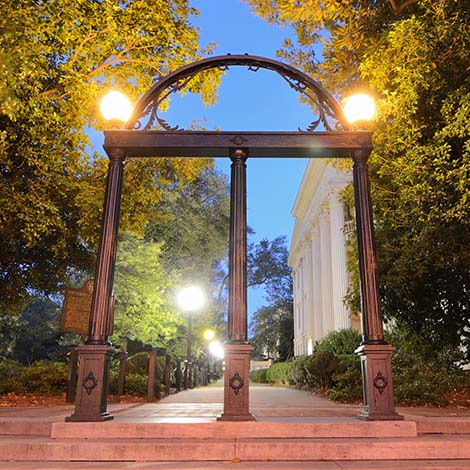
x=327, y=111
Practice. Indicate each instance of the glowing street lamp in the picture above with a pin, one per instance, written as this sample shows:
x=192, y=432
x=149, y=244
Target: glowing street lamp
x=115, y=106
x=190, y=298
x=209, y=335
x=216, y=349
x=360, y=107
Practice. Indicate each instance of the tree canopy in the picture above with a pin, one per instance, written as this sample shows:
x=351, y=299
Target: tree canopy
x=413, y=55
x=57, y=59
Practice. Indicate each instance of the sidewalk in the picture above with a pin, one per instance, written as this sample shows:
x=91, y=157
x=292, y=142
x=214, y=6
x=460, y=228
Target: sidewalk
x=267, y=403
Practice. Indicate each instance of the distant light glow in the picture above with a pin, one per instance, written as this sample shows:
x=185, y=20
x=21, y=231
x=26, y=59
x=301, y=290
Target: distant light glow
x=360, y=107
x=209, y=335
x=216, y=349
x=116, y=105
x=309, y=346
x=190, y=298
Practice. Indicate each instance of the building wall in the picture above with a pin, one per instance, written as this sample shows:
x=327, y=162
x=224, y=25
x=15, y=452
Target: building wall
x=318, y=255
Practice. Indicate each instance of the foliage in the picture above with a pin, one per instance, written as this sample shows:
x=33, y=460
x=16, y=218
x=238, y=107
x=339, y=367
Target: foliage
x=413, y=55
x=9, y=327
x=344, y=341
x=299, y=373
x=346, y=381
x=192, y=228
x=144, y=307
x=10, y=371
x=193, y=225
x=259, y=376
x=423, y=375
x=39, y=378
x=57, y=59
x=272, y=326
x=280, y=373
x=320, y=368
x=38, y=336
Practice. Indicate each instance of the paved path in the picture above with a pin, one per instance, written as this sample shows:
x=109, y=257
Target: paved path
x=267, y=403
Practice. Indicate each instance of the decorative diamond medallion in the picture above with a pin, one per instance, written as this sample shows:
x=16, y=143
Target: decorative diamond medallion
x=89, y=382
x=236, y=383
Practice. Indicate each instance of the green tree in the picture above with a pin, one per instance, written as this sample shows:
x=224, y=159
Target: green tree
x=144, y=293
x=272, y=326
x=414, y=56
x=57, y=59
x=38, y=336
x=192, y=225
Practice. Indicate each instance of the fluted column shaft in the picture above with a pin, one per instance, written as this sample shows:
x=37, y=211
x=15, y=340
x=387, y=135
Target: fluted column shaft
x=338, y=261
x=372, y=326
x=317, y=289
x=98, y=328
x=325, y=252
x=237, y=310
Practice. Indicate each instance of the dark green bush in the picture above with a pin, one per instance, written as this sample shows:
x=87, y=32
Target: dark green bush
x=280, y=373
x=346, y=381
x=344, y=341
x=44, y=378
x=136, y=384
x=299, y=373
x=320, y=367
x=10, y=372
x=259, y=376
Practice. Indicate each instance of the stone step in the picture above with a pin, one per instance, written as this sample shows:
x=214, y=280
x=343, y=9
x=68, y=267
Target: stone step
x=232, y=430
x=443, y=426
x=430, y=447
x=25, y=427
x=306, y=465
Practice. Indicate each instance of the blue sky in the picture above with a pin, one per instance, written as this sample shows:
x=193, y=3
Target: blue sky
x=249, y=101
x=253, y=101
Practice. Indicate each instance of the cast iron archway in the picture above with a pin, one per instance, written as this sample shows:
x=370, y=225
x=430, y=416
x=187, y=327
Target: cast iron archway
x=142, y=140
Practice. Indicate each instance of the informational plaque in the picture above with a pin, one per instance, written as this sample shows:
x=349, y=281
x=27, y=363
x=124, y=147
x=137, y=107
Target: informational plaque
x=77, y=307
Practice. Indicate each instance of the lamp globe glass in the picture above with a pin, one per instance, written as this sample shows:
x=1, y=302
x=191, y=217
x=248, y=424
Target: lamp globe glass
x=116, y=105
x=360, y=107
x=190, y=298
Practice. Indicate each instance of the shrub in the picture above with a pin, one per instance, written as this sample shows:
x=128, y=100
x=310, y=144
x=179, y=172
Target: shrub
x=10, y=372
x=320, y=367
x=299, y=373
x=44, y=378
x=347, y=380
x=344, y=341
x=136, y=384
x=280, y=373
x=259, y=376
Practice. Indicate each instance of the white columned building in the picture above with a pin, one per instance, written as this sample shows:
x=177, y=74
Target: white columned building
x=318, y=256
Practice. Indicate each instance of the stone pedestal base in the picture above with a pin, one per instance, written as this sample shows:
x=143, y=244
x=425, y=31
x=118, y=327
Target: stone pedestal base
x=92, y=387
x=236, y=383
x=377, y=382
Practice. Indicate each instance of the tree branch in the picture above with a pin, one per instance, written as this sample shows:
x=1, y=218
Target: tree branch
x=397, y=9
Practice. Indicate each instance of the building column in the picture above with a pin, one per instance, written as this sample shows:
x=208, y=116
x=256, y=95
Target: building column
x=316, y=285
x=339, y=269
x=326, y=276
x=308, y=294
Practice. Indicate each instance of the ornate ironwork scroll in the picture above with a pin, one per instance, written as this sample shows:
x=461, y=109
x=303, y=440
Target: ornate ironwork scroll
x=236, y=383
x=329, y=112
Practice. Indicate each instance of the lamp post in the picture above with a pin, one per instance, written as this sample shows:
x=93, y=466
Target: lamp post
x=190, y=299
